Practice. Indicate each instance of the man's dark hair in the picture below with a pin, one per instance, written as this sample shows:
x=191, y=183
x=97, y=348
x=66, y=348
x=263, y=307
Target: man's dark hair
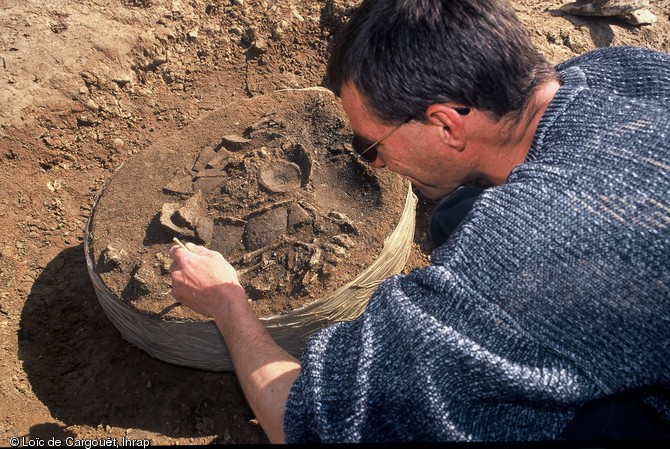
x=404, y=55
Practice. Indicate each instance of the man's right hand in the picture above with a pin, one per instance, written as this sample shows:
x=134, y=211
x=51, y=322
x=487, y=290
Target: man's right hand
x=202, y=279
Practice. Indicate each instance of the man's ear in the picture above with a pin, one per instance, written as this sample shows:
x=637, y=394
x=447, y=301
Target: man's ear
x=450, y=123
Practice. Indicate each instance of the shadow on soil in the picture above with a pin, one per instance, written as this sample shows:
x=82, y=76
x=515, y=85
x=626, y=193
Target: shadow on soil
x=82, y=369
x=600, y=28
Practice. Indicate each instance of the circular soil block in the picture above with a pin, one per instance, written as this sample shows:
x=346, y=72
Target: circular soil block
x=271, y=184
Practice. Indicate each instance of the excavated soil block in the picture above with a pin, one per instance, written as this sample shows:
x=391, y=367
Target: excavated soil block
x=270, y=183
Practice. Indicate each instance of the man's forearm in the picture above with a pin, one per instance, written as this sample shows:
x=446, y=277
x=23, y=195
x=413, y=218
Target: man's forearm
x=265, y=371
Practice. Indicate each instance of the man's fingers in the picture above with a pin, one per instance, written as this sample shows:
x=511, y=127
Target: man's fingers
x=197, y=249
x=173, y=250
x=188, y=247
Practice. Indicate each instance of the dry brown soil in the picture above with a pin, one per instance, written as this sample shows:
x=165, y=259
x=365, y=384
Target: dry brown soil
x=87, y=84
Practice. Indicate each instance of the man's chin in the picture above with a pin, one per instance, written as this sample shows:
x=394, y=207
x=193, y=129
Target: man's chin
x=431, y=192
x=428, y=192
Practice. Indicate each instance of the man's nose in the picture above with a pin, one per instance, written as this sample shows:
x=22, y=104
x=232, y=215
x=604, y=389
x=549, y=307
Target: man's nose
x=378, y=162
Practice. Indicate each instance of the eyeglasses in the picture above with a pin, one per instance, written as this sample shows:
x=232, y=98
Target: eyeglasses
x=368, y=152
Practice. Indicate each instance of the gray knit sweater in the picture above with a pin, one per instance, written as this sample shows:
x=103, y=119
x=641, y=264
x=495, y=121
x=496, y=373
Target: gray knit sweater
x=555, y=289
